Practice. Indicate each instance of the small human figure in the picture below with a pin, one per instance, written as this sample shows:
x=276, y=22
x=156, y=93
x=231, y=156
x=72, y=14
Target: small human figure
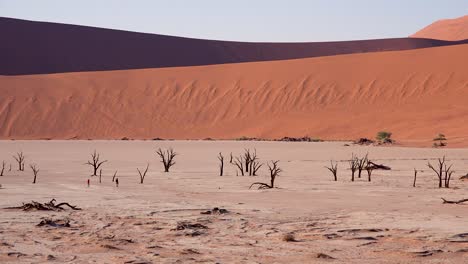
x=117, y=182
x=88, y=182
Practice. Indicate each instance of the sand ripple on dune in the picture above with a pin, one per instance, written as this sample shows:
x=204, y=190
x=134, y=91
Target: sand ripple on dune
x=415, y=94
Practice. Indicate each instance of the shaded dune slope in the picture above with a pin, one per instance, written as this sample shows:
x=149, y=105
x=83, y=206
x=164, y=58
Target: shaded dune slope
x=40, y=48
x=447, y=29
x=414, y=94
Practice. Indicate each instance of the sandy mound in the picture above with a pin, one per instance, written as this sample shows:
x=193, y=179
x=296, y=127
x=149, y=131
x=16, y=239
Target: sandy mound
x=447, y=29
x=40, y=48
x=414, y=94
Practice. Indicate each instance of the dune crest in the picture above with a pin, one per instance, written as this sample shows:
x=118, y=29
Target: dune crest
x=446, y=29
x=43, y=48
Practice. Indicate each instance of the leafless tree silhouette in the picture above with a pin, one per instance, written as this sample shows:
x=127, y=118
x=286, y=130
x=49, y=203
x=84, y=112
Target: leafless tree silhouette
x=442, y=170
x=20, y=159
x=275, y=170
x=3, y=168
x=369, y=168
x=415, y=175
x=167, y=158
x=35, y=171
x=333, y=169
x=221, y=164
x=113, y=177
x=361, y=164
x=96, y=163
x=353, y=166
x=100, y=175
x=143, y=175
x=239, y=163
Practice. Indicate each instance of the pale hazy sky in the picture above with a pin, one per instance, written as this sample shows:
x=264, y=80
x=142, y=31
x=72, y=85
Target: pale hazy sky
x=246, y=20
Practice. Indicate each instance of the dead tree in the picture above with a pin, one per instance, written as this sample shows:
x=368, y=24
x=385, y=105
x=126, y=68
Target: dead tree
x=20, y=159
x=274, y=172
x=239, y=163
x=369, y=169
x=415, y=175
x=143, y=175
x=113, y=177
x=442, y=167
x=333, y=169
x=167, y=158
x=35, y=172
x=361, y=164
x=454, y=202
x=221, y=164
x=448, y=175
x=353, y=166
x=95, y=163
x=247, y=160
x=230, y=159
x=3, y=168
x=100, y=175
x=255, y=166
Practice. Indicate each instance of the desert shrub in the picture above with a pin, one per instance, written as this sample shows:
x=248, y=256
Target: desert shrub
x=384, y=137
x=440, y=141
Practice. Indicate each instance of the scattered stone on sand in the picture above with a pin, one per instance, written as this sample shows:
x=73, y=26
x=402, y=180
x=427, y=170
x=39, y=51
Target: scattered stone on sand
x=55, y=223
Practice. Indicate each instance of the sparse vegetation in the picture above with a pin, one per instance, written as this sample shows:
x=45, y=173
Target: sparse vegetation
x=384, y=137
x=96, y=162
x=289, y=237
x=440, y=141
x=167, y=158
x=20, y=159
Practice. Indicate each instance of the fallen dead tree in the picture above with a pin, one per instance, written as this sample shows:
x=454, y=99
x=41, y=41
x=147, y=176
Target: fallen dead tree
x=50, y=206
x=454, y=202
x=378, y=166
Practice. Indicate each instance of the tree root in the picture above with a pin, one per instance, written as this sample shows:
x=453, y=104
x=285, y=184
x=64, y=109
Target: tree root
x=454, y=202
x=50, y=206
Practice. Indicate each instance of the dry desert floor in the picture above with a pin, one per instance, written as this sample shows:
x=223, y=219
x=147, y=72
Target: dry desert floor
x=160, y=221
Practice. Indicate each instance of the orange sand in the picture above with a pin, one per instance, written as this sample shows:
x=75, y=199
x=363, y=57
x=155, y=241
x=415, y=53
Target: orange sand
x=414, y=94
x=447, y=29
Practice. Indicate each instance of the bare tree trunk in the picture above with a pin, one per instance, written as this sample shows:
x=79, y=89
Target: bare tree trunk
x=3, y=168
x=35, y=172
x=113, y=177
x=221, y=165
x=415, y=175
x=100, y=175
x=167, y=158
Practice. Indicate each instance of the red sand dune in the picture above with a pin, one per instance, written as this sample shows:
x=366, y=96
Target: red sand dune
x=39, y=48
x=447, y=29
x=414, y=94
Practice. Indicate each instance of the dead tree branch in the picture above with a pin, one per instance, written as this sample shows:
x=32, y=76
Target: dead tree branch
x=3, y=168
x=353, y=166
x=454, y=202
x=275, y=170
x=113, y=177
x=20, y=159
x=143, y=175
x=239, y=163
x=50, y=206
x=167, y=158
x=95, y=163
x=333, y=169
x=442, y=170
x=35, y=171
